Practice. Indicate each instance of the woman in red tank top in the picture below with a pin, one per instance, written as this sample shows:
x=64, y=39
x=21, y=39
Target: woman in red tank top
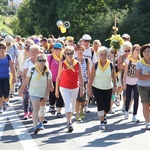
x=69, y=75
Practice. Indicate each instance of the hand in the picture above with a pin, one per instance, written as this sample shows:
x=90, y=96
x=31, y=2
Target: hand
x=89, y=91
x=57, y=93
x=20, y=93
x=82, y=92
x=51, y=88
x=114, y=90
x=124, y=86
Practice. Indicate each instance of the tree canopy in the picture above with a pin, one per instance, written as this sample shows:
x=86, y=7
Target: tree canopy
x=94, y=17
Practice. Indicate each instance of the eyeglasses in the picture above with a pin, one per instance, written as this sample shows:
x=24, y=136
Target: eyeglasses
x=112, y=52
x=40, y=60
x=69, y=54
x=2, y=47
x=79, y=49
x=27, y=46
x=127, y=51
x=86, y=40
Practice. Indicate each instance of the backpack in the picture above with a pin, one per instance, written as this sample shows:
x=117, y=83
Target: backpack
x=32, y=71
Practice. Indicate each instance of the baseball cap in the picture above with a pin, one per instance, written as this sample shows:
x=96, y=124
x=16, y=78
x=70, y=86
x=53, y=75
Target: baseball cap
x=8, y=39
x=127, y=36
x=86, y=37
x=58, y=45
x=36, y=41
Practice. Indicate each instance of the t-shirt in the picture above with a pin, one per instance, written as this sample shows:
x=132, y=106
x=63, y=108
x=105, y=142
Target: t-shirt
x=131, y=78
x=38, y=86
x=4, y=66
x=21, y=59
x=28, y=64
x=145, y=71
x=13, y=51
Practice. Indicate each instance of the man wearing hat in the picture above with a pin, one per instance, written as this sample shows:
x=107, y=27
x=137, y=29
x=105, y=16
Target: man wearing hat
x=12, y=49
x=91, y=55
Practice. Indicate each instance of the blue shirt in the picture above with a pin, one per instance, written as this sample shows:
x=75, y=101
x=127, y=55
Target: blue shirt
x=4, y=66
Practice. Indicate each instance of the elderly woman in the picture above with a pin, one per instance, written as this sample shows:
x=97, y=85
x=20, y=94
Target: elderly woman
x=130, y=81
x=5, y=63
x=69, y=75
x=39, y=79
x=102, y=82
x=127, y=46
x=143, y=75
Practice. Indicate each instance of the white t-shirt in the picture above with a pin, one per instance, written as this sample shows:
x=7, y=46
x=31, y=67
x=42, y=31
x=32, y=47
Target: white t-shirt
x=88, y=54
x=131, y=75
x=37, y=87
x=28, y=64
x=21, y=59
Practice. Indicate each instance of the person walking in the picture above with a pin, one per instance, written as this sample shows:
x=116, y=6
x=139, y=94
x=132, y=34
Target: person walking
x=68, y=78
x=39, y=79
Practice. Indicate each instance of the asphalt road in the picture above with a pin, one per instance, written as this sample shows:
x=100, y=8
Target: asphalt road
x=120, y=134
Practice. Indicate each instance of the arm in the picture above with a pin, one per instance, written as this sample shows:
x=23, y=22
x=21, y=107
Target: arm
x=24, y=73
x=140, y=76
x=12, y=70
x=88, y=69
x=113, y=75
x=125, y=76
x=91, y=78
x=58, y=80
x=120, y=63
x=81, y=81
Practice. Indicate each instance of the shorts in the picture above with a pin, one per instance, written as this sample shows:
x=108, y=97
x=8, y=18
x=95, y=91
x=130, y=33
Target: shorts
x=83, y=98
x=33, y=98
x=4, y=87
x=144, y=93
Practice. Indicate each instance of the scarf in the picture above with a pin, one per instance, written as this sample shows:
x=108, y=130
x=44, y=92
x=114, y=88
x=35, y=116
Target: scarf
x=72, y=66
x=132, y=59
x=40, y=73
x=144, y=63
x=57, y=58
x=47, y=48
x=105, y=67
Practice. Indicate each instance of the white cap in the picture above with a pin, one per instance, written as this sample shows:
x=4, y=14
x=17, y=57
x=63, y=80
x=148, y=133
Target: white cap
x=86, y=37
x=8, y=39
x=127, y=36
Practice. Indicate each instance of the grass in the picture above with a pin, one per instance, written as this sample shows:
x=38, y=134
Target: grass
x=7, y=20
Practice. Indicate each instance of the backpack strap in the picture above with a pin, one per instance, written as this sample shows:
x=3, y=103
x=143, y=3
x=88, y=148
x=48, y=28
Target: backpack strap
x=8, y=57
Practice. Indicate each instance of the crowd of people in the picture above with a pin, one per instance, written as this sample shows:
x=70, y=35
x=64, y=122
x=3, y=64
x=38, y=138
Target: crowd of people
x=66, y=74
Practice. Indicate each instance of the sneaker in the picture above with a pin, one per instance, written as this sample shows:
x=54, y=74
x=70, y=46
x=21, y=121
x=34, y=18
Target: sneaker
x=147, y=127
x=126, y=115
x=78, y=118
x=59, y=115
x=82, y=115
x=52, y=110
x=30, y=115
x=38, y=128
x=70, y=127
x=111, y=111
x=86, y=109
x=102, y=126
x=134, y=119
x=4, y=106
x=45, y=121
x=117, y=101
x=25, y=117
x=105, y=120
x=1, y=110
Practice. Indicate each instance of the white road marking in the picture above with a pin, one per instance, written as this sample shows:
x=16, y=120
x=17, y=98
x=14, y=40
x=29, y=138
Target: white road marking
x=20, y=130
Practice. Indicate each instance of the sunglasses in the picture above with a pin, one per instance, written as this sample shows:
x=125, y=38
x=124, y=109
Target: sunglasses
x=112, y=52
x=70, y=41
x=86, y=40
x=127, y=51
x=69, y=54
x=40, y=60
x=2, y=47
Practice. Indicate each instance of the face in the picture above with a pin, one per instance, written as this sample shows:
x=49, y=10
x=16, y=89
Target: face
x=95, y=46
x=86, y=42
x=103, y=56
x=127, y=51
x=80, y=51
x=69, y=54
x=2, y=49
x=41, y=61
x=33, y=52
x=57, y=51
x=112, y=53
x=8, y=44
x=136, y=50
x=146, y=53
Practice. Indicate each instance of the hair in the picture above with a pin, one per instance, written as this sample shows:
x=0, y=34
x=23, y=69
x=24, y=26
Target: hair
x=44, y=40
x=97, y=42
x=78, y=46
x=126, y=45
x=29, y=41
x=102, y=49
x=2, y=44
x=143, y=48
x=68, y=48
x=46, y=64
x=35, y=46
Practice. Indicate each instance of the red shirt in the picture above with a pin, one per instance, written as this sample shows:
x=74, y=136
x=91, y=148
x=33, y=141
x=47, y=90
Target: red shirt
x=69, y=78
